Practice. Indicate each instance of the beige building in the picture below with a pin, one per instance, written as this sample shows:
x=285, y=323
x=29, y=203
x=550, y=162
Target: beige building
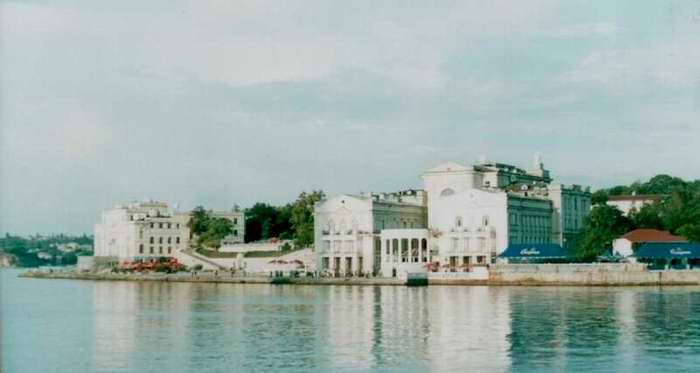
x=632, y=203
x=237, y=219
x=141, y=230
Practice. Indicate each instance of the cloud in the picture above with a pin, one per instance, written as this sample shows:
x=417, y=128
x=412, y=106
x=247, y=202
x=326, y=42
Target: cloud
x=216, y=102
x=594, y=29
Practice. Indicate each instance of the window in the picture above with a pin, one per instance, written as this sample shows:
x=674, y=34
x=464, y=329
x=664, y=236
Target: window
x=458, y=222
x=485, y=221
x=170, y=239
x=170, y=250
x=235, y=221
x=160, y=225
x=235, y=232
x=141, y=249
x=152, y=240
x=151, y=225
x=177, y=239
x=177, y=226
x=170, y=225
x=447, y=192
x=151, y=250
x=160, y=239
x=160, y=249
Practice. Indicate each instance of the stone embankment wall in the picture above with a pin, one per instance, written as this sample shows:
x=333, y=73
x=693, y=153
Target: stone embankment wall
x=613, y=274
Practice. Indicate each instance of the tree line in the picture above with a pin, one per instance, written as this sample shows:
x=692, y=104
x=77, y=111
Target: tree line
x=678, y=211
x=292, y=221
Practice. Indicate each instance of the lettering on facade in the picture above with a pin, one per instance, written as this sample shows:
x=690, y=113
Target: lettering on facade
x=531, y=251
x=679, y=251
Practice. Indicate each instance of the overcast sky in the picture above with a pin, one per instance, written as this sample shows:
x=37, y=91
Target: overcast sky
x=223, y=102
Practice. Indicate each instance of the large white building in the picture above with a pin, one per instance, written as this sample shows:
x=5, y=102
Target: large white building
x=141, y=230
x=469, y=216
x=347, y=228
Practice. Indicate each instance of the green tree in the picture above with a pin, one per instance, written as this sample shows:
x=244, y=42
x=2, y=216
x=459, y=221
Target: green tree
x=599, y=197
x=207, y=230
x=649, y=217
x=260, y=220
x=302, y=217
x=602, y=226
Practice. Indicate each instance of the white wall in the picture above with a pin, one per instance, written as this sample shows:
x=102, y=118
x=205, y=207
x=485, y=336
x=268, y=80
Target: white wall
x=622, y=247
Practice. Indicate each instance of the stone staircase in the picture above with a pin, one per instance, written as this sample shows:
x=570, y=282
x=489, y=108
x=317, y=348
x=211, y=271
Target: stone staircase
x=191, y=255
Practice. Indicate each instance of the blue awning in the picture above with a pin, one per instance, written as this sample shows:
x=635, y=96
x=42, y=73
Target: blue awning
x=535, y=251
x=669, y=250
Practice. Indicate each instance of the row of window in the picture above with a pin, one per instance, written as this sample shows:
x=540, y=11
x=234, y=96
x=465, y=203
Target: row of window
x=151, y=250
x=459, y=221
x=160, y=240
x=165, y=225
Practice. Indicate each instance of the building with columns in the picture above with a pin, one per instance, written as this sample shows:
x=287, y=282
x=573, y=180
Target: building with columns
x=471, y=215
x=347, y=228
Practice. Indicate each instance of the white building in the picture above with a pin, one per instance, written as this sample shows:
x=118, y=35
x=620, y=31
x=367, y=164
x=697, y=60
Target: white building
x=632, y=203
x=141, y=230
x=473, y=214
x=347, y=228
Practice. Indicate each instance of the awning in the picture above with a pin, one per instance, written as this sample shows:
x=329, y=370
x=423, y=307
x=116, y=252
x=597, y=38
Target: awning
x=669, y=250
x=535, y=251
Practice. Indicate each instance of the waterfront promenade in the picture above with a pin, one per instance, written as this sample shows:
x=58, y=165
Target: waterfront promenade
x=499, y=275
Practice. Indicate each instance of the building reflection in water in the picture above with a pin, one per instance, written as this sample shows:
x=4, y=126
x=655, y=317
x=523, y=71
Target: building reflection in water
x=153, y=326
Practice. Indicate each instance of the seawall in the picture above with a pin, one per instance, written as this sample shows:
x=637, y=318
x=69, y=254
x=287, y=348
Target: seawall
x=600, y=274
x=498, y=275
x=209, y=277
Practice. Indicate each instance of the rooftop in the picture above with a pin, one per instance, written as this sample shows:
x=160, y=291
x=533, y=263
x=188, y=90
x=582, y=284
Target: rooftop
x=652, y=235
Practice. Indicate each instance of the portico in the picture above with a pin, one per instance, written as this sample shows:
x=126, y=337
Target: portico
x=404, y=250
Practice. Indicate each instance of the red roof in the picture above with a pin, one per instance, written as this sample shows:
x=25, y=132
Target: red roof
x=652, y=235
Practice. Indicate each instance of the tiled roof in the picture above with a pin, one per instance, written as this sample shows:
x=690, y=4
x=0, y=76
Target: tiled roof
x=652, y=235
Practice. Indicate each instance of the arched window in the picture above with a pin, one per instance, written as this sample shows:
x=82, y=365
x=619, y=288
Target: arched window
x=447, y=192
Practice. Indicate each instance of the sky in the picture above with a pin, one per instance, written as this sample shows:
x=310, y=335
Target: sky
x=219, y=103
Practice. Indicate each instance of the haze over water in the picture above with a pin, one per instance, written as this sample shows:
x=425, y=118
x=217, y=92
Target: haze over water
x=81, y=326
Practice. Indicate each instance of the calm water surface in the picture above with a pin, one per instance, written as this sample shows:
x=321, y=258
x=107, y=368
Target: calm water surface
x=79, y=326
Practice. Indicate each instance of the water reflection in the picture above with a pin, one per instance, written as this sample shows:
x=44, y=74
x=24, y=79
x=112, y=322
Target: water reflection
x=205, y=327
